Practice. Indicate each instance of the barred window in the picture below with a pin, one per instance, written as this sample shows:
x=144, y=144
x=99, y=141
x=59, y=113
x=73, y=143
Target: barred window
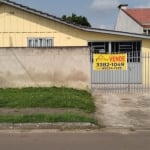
x=99, y=47
x=40, y=42
x=132, y=48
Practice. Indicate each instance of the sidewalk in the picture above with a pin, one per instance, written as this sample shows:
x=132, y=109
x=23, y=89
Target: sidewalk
x=123, y=111
x=51, y=111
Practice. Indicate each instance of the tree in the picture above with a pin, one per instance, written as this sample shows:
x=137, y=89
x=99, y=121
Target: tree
x=79, y=20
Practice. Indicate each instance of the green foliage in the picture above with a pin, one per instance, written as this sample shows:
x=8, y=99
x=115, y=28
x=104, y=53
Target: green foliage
x=46, y=98
x=79, y=20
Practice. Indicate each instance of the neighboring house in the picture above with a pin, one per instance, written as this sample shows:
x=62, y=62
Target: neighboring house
x=136, y=20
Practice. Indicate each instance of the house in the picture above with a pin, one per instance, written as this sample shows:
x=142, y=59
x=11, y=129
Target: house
x=136, y=20
x=22, y=26
x=29, y=40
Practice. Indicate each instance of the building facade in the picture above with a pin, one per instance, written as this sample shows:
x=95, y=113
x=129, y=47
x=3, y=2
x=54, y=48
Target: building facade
x=22, y=26
x=135, y=20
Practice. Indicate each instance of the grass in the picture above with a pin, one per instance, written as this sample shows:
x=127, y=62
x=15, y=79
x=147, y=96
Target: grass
x=41, y=118
x=46, y=98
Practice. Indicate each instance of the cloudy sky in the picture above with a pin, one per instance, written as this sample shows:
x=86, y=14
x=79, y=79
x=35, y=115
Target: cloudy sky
x=100, y=13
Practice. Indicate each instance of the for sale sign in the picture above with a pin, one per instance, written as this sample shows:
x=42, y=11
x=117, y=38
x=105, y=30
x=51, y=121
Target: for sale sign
x=110, y=62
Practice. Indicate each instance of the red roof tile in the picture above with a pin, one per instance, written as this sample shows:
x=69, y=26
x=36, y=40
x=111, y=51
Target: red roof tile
x=140, y=15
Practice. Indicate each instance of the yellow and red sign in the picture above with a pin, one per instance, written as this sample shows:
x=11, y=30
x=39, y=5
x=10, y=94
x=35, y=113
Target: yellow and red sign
x=110, y=62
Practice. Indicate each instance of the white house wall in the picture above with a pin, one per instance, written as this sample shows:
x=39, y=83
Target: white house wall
x=127, y=24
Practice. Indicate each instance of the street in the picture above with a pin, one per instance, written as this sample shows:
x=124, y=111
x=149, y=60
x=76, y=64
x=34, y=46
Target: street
x=74, y=140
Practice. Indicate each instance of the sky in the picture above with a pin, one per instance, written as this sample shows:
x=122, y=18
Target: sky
x=100, y=13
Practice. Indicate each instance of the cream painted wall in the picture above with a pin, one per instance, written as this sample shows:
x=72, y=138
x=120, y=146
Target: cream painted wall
x=18, y=25
x=92, y=36
x=146, y=62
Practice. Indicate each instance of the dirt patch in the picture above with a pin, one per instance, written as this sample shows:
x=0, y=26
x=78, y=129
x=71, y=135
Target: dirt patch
x=34, y=111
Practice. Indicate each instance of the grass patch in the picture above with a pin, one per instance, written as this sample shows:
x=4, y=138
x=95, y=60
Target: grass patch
x=42, y=118
x=46, y=98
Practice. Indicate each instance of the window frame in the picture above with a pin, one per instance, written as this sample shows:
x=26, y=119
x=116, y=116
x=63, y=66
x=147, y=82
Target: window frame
x=40, y=42
x=132, y=48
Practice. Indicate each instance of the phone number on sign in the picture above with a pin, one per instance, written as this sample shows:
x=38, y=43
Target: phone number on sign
x=110, y=64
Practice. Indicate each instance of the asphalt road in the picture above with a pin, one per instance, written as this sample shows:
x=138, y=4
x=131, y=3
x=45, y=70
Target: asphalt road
x=47, y=140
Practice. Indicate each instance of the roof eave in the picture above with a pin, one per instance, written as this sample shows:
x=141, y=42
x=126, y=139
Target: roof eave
x=33, y=11
x=118, y=33
x=43, y=15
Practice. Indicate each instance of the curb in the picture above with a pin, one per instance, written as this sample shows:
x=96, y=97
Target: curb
x=130, y=129
x=60, y=126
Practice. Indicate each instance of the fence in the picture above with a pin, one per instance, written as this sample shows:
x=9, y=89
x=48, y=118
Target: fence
x=135, y=79
x=42, y=67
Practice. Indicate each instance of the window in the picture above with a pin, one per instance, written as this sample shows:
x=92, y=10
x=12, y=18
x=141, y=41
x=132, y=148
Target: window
x=132, y=48
x=99, y=47
x=40, y=42
x=145, y=31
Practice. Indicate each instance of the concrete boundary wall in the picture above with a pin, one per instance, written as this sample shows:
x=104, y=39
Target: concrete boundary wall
x=40, y=67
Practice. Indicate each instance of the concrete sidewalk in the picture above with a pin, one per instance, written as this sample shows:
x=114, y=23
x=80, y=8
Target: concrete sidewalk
x=39, y=126
x=125, y=111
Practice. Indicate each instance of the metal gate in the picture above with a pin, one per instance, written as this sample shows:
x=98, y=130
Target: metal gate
x=135, y=79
